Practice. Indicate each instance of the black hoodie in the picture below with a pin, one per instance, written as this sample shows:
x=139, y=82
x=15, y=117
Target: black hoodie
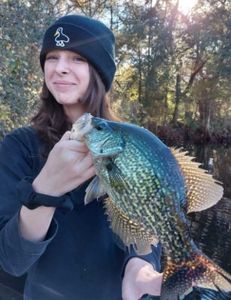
x=79, y=258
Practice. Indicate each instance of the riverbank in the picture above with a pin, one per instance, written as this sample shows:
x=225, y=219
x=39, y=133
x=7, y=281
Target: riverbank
x=180, y=135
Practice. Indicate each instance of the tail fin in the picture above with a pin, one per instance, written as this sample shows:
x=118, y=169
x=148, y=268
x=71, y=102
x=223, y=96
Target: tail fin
x=196, y=270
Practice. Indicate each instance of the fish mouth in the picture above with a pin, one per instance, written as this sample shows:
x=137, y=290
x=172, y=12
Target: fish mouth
x=81, y=127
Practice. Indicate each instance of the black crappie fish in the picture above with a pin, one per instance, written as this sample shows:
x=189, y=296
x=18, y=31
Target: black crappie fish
x=151, y=188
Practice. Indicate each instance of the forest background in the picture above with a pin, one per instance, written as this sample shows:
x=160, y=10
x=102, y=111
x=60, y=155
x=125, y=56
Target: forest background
x=173, y=68
x=173, y=77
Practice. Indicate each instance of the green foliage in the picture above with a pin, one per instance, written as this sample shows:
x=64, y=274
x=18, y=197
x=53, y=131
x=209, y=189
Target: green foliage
x=22, y=26
x=171, y=67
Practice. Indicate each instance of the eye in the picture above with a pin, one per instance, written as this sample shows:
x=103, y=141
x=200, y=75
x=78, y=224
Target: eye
x=101, y=125
x=98, y=127
x=51, y=57
x=79, y=59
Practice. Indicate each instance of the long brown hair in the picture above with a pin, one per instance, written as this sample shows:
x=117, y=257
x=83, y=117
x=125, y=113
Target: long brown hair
x=51, y=121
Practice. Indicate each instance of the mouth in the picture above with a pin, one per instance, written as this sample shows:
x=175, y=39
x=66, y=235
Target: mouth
x=63, y=83
x=63, y=86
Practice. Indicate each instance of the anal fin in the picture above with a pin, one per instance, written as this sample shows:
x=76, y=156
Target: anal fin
x=129, y=232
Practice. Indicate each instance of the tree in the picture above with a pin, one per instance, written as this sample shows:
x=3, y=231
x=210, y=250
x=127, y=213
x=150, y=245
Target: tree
x=22, y=26
x=168, y=64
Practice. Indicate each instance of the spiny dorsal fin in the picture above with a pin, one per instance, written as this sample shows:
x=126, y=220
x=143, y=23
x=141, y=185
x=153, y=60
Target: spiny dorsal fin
x=128, y=231
x=203, y=191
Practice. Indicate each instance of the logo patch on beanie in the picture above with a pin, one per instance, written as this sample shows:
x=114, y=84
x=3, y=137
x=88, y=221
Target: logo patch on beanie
x=60, y=38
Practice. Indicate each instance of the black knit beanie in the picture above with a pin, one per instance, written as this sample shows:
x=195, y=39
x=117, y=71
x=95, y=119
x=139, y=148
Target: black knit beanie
x=88, y=37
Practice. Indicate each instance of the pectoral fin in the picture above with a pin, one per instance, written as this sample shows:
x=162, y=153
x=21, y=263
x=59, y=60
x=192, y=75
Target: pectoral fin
x=203, y=191
x=94, y=191
x=130, y=232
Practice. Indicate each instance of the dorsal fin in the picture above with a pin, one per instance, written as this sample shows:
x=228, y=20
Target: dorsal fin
x=130, y=232
x=203, y=191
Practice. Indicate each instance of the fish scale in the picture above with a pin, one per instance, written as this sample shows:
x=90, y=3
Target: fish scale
x=140, y=207
x=151, y=188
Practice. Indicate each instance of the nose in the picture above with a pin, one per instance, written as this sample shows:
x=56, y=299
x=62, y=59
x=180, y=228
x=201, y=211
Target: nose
x=62, y=66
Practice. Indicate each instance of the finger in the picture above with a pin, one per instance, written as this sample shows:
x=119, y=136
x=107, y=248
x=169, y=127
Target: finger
x=90, y=172
x=76, y=146
x=129, y=289
x=129, y=294
x=66, y=136
x=85, y=163
x=153, y=285
x=86, y=174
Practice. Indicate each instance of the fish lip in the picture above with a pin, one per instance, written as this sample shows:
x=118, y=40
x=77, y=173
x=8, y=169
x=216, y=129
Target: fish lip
x=81, y=127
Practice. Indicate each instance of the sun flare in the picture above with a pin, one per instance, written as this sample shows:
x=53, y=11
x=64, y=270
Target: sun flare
x=185, y=6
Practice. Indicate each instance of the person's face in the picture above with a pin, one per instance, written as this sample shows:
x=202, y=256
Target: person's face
x=67, y=76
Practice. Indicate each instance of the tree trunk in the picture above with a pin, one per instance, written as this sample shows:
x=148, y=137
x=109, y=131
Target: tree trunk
x=177, y=100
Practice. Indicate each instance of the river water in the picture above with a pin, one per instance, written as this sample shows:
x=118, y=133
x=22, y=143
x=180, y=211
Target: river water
x=211, y=229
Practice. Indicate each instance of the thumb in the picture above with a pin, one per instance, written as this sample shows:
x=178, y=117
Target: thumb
x=66, y=136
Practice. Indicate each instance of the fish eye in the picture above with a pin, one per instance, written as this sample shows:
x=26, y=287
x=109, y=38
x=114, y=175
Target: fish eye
x=98, y=127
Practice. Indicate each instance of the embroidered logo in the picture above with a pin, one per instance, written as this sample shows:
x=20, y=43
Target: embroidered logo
x=60, y=38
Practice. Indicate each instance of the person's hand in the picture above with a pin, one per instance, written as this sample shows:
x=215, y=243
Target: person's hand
x=68, y=165
x=140, y=278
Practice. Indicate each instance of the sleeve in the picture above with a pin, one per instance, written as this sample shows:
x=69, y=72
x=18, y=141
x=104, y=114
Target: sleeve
x=17, y=255
x=154, y=258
